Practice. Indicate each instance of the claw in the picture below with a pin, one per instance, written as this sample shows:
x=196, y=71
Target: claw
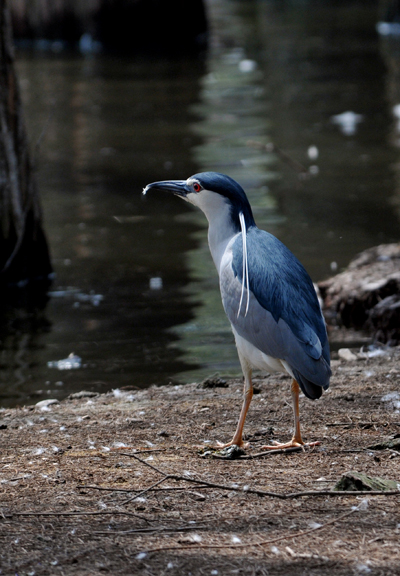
x=291, y=444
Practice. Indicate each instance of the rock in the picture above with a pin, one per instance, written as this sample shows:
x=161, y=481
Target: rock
x=82, y=394
x=357, y=481
x=367, y=294
x=347, y=355
x=44, y=404
x=392, y=443
x=213, y=382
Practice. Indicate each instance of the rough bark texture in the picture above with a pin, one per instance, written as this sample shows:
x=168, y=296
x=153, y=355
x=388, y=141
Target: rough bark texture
x=24, y=254
x=367, y=294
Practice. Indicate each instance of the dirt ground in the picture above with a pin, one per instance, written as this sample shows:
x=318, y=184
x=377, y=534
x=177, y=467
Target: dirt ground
x=69, y=473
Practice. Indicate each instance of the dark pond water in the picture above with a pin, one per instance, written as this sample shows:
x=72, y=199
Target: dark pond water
x=136, y=294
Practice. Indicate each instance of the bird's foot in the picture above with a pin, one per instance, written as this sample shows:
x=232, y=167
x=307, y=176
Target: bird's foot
x=292, y=444
x=239, y=443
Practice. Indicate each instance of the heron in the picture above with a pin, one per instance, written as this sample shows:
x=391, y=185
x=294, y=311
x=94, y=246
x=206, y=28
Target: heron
x=267, y=294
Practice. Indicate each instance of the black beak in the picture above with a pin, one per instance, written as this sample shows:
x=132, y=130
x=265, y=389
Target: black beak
x=177, y=187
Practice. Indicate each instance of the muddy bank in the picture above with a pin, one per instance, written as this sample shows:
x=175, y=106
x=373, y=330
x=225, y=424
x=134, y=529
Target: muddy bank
x=68, y=478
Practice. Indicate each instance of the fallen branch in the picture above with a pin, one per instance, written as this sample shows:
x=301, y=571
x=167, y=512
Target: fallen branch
x=249, y=490
x=259, y=543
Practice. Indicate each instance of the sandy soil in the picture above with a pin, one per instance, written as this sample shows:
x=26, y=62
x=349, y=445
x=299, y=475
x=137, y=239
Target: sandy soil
x=69, y=473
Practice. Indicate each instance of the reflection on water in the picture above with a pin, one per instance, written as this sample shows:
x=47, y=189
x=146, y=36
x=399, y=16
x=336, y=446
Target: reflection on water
x=136, y=295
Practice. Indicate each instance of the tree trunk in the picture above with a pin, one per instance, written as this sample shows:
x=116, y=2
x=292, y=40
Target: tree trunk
x=24, y=255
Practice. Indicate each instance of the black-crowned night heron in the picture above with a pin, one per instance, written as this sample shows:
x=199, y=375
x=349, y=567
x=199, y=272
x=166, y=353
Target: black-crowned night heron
x=267, y=294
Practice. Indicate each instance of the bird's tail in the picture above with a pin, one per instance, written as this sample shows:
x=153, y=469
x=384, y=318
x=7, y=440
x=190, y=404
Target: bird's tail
x=310, y=389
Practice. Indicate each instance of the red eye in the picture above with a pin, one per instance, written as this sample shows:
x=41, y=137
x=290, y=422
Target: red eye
x=196, y=187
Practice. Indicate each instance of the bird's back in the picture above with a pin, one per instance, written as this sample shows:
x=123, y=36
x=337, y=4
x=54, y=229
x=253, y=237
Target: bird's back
x=284, y=319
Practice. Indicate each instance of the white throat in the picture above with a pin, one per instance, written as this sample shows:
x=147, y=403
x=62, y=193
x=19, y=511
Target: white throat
x=220, y=227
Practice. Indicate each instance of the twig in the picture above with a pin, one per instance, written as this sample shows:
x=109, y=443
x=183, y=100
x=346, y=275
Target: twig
x=151, y=530
x=142, y=492
x=138, y=451
x=260, y=543
x=165, y=489
x=144, y=462
x=268, y=453
x=99, y=513
x=362, y=423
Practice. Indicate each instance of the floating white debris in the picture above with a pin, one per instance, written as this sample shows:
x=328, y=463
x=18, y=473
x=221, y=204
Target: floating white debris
x=347, y=122
x=388, y=28
x=333, y=266
x=247, y=65
x=78, y=296
x=141, y=556
x=275, y=550
x=39, y=451
x=214, y=572
x=71, y=363
x=169, y=565
x=312, y=152
x=156, y=283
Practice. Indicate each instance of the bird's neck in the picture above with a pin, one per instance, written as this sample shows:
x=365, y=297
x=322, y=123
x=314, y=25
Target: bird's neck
x=222, y=229
x=223, y=220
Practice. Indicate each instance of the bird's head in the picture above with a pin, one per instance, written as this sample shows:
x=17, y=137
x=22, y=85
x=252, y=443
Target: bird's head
x=217, y=195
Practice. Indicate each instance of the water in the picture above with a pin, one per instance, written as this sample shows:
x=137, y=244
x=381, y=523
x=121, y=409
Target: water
x=136, y=295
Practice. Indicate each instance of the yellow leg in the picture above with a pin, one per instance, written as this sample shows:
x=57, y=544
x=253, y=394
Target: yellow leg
x=247, y=396
x=297, y=440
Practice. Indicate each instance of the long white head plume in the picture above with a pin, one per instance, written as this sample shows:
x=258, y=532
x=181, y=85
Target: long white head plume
x=245, y=273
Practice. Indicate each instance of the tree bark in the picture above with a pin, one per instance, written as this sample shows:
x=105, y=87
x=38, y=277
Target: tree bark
x=24, y=255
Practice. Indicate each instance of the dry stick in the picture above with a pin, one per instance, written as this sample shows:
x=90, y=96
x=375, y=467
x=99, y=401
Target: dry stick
x=249, y=490
x=166, y=489
x=386, y=423
x=142, y=492
x=260, y=543
x=266, y=453
x=151, y=530
x=102, y=513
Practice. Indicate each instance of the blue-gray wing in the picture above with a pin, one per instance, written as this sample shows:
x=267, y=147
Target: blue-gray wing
x=284, y=318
